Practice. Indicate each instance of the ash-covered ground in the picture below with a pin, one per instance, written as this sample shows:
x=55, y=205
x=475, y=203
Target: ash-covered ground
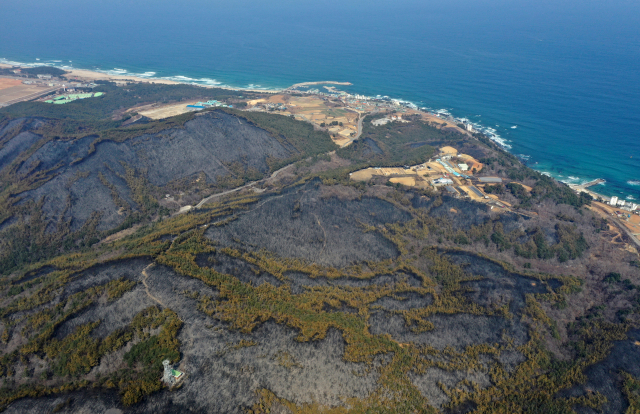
x=301, y=223
x=84, y=178
x=604, y=377
x=220, y=377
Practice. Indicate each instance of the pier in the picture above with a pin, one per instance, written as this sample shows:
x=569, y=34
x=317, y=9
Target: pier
x=591, y=183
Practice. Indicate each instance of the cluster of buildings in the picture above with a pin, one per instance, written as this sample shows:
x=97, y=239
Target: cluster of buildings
x=209, y=104
x=384, y=121
x=361, y=102
x=268, y=106
x=450, y=168
x=623, y=204
x=63, y=99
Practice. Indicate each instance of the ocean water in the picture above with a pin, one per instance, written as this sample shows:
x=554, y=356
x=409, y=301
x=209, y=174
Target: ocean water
x=566, y=74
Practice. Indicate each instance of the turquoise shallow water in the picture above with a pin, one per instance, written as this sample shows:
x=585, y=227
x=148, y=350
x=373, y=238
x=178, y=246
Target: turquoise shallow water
x=565, y=74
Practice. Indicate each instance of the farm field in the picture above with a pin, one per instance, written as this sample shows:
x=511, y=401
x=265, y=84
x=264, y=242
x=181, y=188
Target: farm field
x=315, y=110
x=12, y=91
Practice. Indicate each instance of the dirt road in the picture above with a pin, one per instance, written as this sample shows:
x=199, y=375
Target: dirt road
x=272, y=176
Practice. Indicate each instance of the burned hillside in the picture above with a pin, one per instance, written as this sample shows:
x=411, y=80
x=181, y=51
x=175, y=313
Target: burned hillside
x=306, y=291
x=84, y=186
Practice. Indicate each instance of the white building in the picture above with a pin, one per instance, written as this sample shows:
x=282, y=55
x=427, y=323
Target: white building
x=621, y=203
x=170, y=376
x=442, y=181
x=613, y=201
x=463, y=167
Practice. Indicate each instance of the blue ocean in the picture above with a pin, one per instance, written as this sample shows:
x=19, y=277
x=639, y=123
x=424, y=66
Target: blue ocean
x=559, y=81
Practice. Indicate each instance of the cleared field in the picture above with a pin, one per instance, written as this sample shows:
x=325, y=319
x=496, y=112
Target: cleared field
x=408, y=181
x=341, y=141
x=470, y=193
x=11, y=93
x=448, y=151
x=346, y=132
x=471, y=162
x=167, y=111
x=315, y=110
x=8, y=83
x=633, y=224
x=397, y=175
x=364, y=175
x=495, y=197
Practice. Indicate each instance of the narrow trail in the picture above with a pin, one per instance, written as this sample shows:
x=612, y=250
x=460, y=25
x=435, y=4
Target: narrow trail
x=145, y=275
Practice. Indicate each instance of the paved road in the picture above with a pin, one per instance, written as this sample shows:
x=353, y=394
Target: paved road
x=624, y=228
x=606, y=214
x=360, y=120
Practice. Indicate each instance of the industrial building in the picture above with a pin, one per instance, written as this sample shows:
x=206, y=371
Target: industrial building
x=613, y=201
x=63, y=99
x=452, y=190
x=442, y=181
x=447, y=166
x=493, y=180
x=476, y=191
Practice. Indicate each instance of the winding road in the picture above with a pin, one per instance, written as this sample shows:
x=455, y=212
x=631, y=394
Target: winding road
x=213, y=196
x=275, y=173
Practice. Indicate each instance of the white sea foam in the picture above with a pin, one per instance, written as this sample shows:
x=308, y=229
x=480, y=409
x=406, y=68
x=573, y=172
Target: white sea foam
x=634, y=182
x=491, y=133
x=630, y=197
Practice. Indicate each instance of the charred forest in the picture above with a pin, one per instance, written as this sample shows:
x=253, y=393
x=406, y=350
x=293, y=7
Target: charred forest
x=235, y=245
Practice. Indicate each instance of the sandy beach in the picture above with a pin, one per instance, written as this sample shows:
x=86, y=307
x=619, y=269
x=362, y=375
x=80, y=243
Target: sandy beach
x=88, y=75
x=82, y=74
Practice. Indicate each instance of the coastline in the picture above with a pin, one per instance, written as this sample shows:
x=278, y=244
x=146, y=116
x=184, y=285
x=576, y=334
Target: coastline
x=89, y=74
x=86, y=74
